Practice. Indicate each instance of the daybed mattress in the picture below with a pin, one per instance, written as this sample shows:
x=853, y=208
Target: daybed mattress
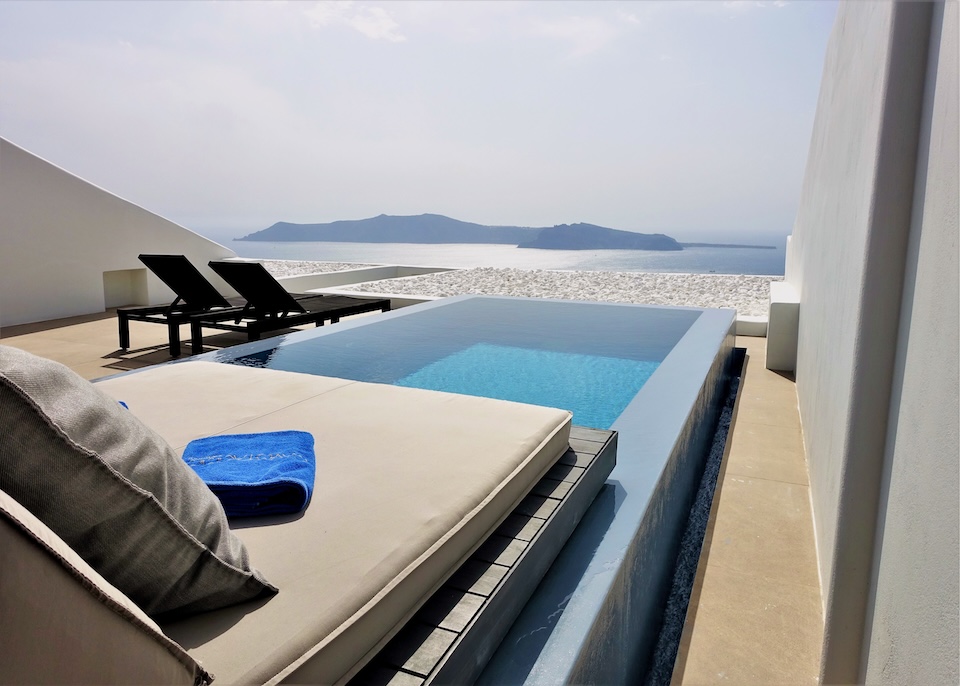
x=408, y=484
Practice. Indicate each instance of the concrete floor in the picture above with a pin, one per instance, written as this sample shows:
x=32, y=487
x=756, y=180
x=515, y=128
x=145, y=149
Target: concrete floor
x=89, y=344
x=755, y=615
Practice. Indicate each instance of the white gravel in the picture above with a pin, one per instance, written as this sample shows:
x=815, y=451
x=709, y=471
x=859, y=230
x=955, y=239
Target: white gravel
x=296, y=267
x=749, y=295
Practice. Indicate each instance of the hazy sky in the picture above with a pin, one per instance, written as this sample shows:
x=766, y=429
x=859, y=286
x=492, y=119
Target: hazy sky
x=692, y=119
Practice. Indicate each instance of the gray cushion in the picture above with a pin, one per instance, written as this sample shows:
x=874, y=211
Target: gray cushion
x=116, y=492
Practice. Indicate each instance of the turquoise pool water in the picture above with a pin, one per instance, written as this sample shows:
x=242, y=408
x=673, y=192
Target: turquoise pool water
x=594, y=388
x=589, y=358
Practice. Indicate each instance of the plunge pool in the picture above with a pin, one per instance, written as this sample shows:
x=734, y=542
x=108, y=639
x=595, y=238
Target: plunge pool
x=657, y=375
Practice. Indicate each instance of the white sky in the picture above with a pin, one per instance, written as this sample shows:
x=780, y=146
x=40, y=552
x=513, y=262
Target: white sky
x=691, y=119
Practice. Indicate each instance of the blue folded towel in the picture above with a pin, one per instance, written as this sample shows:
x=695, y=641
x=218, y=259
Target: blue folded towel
x=256, y=474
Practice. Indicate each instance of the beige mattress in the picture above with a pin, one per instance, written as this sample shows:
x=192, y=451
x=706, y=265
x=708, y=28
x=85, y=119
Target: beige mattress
x=408, y=484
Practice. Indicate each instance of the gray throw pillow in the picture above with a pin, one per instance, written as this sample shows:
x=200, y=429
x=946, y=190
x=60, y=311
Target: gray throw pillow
x=114, y=490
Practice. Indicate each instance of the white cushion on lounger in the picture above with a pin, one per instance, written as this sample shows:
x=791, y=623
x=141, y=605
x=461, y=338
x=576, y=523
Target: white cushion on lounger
x=409, y=482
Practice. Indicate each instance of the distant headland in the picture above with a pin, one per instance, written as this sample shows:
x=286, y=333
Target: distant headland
x=436, y=228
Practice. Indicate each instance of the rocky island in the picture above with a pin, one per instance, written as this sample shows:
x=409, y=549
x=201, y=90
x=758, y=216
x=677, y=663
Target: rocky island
x=421, y=228
x=435, y=228
x=592, y=237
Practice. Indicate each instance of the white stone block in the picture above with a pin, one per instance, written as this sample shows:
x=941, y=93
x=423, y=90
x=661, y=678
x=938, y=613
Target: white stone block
x=783, y=326
x=752, y=326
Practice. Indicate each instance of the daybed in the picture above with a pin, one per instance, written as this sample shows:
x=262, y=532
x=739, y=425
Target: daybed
x=408, y=484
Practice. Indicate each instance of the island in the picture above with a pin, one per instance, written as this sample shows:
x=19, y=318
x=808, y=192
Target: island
x=591, y=237
x=421, y=228
x=436, y=228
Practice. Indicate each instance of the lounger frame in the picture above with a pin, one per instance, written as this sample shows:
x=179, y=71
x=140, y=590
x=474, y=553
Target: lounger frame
x=317, y=310
x=194, y=295
x=270, y=307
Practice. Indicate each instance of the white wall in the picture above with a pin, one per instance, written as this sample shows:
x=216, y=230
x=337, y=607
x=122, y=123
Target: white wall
x=858, y=233
x=912, y=626
x=60, y=235
x=308, y=282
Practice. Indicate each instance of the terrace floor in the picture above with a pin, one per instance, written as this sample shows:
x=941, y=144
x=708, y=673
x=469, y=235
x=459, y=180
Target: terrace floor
x=755, y=614
x=88, y=343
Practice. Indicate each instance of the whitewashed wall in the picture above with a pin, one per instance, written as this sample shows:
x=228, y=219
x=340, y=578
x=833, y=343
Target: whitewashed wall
x=912, y=624
x=68, y=247
x=870, y=257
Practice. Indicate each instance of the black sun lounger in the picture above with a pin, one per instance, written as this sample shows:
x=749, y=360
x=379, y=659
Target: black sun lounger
x=194, y=295
x=270, y=307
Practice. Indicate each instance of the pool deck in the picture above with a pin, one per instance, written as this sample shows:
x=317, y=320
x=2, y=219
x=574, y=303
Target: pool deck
x=755, y=614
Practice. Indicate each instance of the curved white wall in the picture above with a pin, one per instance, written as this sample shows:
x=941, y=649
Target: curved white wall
x=874, y=259
x=59, y=235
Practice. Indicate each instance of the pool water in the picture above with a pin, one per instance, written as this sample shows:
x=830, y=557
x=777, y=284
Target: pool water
x=594, y=388
x=589, y=358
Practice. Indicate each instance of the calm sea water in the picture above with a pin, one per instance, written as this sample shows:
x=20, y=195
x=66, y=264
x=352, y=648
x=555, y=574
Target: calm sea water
x=690, y=260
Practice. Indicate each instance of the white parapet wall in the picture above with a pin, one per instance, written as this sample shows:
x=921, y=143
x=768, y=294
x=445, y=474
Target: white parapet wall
x=751, y=326
x=70, y=248
x=396, y=300
x=302, y=283
x=328, y=282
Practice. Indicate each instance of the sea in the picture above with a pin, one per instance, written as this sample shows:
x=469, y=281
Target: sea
x=698, y=260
